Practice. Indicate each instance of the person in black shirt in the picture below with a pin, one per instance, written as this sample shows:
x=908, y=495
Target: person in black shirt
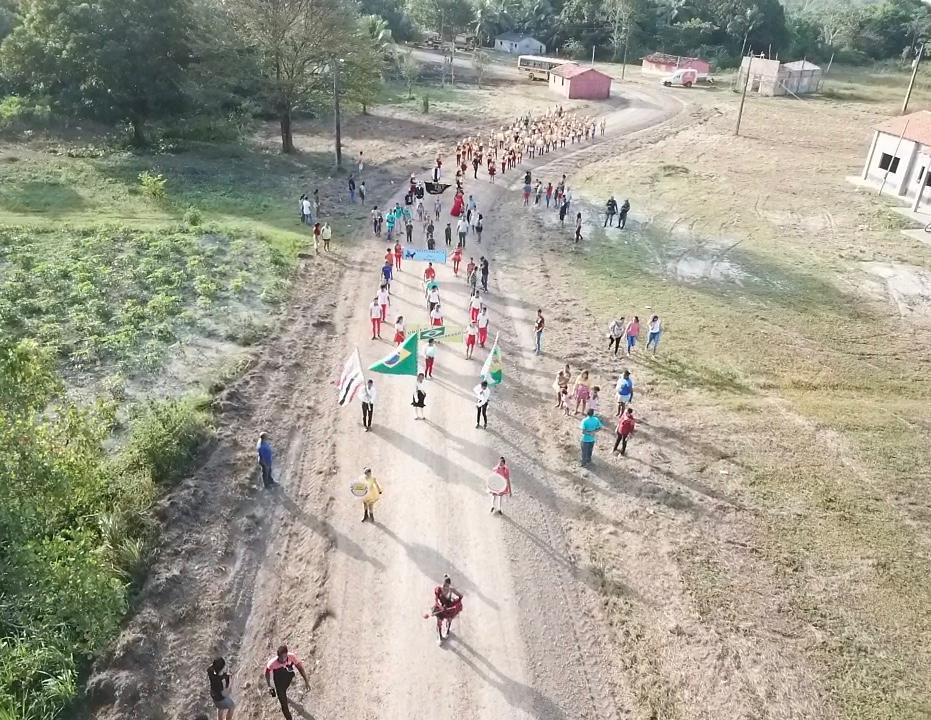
x=220, y=689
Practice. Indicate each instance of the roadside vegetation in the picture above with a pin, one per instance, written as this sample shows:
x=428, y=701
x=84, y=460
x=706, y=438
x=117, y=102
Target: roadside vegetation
x=780, y=337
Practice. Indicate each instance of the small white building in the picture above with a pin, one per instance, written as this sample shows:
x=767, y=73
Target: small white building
x=518, y=44
x=899, y=159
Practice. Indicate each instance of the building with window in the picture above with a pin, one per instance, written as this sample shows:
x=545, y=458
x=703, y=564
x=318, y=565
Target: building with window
x=772, y=78
x=661, y=64
x=899, y=158
x=578, y=82
x=518, y=44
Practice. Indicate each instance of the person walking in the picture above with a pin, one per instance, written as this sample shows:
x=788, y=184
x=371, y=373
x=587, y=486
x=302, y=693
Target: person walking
x=429, y=356
x=429, y=273
x=615, y=334
x=462, y=228
x=622, y=215
x=433, y=297
x=369, y=395
x=279, y=673
x=656, y=329
x=483, y=268
x=633, y=332
x=457, y=258
x=409, y=229
x=220, y=691
x=384, y=297
x=561, y=386
x=482, y=396
x=448, y=232
x=352, y=188
x=505, y=472
x=437, y=208
x=387, y=272
x=375, y=316
x=372, y=496
x=589, y=426
x=377, y=220
x=610, y=211
x=419, y=401
x=399, y=334
x=436, y=316
x=326, y=233
x=482, y=324
x=548, y=193
x=398, y=252
x=479, y=226
x=264, y=451
x=624, y=392
x=362, y=192
x=625, y=428
x=538, y=326
x=578, y=227
x=563, y=209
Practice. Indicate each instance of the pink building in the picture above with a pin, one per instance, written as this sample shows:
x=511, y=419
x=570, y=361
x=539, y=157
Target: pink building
x=662, y=64
x=580, y=83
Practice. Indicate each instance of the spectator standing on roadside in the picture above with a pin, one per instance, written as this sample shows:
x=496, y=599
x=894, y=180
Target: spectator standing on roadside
x=622, y=215
x=264, y=450
x=326, y=233
x=538, y=326
x=589, y=426
x=625, y=428
x=362, y=192
x=220, y=691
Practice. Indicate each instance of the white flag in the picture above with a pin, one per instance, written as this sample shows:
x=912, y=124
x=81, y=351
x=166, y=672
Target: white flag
x=351, y=379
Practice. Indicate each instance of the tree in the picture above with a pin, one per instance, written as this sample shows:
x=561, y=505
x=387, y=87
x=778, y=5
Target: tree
x=487, y=16
x=410, y=70
x=479, y=64
x=446, y=17
x=365, y=60
x=296, y=43
x=109, y=59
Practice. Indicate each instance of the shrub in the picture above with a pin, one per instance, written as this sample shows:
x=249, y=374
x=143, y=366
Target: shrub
x=193, y=217
x=153, y=185
x=165, y=438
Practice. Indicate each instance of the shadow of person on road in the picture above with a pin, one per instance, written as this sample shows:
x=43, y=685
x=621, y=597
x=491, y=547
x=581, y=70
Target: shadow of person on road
x=322, y=527
x=517, y=694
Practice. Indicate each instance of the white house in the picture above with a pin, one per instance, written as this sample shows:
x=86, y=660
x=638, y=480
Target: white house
x=511, y=42
x=899, y=159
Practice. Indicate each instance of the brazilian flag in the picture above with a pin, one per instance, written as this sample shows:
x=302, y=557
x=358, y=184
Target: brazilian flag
x=493, y=369
x=401, y=361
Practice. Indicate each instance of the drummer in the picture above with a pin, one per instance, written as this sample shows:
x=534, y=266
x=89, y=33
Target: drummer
x=499, y=485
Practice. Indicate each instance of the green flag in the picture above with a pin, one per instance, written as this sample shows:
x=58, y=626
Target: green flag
x=492, y=370
x=401, y=361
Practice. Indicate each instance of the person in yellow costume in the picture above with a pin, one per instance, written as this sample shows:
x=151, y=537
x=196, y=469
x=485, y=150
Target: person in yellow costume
x=372, y=496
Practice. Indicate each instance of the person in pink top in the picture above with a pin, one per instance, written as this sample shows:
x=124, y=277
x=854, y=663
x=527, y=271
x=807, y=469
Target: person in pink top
x=279, y=672
x=504, y=471
x=633, y=331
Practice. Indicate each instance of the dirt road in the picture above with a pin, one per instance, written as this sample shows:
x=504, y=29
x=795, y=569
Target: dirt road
x=297, y=565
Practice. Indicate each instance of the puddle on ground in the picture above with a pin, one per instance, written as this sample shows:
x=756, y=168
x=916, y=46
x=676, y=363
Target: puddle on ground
x=906, y=286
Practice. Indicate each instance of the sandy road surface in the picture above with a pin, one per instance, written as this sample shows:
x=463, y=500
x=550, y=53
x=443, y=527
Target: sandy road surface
x=300, y=567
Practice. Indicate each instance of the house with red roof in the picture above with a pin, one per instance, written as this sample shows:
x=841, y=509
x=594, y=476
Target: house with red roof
x=899, y=158
x=579, y=82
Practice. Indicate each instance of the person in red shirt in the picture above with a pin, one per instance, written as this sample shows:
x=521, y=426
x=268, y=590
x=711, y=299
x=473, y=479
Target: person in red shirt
x=429, y=274
x=279, y=672
x=457, y=258
x=389, y=256
x=397, y=255
x=625, y=428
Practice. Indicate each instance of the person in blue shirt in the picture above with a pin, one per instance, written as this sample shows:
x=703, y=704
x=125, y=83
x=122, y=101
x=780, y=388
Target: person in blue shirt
x=624, y=392
x=264, y=449
x=589, y=426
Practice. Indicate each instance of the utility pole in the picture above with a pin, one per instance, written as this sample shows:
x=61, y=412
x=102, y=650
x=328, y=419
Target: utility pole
x=626, y=43
x=743, y=96
x=593, y=56
x=911, y=83
x=336, y=127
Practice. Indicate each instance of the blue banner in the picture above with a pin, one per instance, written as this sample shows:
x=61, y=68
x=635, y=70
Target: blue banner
x=434, y=256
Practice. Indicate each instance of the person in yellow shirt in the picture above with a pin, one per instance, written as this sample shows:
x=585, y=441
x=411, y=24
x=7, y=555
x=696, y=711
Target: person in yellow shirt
x=372, y=496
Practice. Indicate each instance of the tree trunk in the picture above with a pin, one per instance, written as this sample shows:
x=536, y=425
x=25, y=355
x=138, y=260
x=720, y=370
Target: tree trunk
x=287, y=140
x=138, y=131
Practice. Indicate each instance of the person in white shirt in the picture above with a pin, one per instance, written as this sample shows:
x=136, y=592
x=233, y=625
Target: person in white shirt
x=419, y=401
x=436, y=316
x=399, y=335
x=482, y=323
x=375, y=315
x=429, y=355
x=326, y=233
x=656, y=330
x=433, y=298
x=306, y=211
x=368, y=404
x=383, y=300
x=615, y=333
x=462, y=227
x=470, y=334
x=475, y=304
x=482, y=396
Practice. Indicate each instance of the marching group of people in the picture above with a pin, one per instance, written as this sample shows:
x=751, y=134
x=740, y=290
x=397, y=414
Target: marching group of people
x=527, y=138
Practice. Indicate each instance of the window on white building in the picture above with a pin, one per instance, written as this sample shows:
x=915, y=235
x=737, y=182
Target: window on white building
x=889, y=162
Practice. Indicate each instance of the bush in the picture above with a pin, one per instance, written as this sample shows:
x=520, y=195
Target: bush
x=154, y=185
x=193, y=217
x=165, y=438
x=17, y=113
